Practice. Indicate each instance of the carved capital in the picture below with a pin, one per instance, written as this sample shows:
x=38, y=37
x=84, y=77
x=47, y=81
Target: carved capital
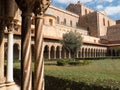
x=11, y=24
x=41, y=6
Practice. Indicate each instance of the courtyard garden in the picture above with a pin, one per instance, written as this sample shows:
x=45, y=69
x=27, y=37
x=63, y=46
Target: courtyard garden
x=93, y=75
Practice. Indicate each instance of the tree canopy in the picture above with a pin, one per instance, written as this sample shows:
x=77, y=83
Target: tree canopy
x=72, y=42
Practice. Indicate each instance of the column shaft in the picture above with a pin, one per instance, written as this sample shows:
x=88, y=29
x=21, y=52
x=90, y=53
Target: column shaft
x=49, y=55
x=20, y=54
x=1, y=55
x=60, y=54
x=54, y=54
x=26, y=51
x=10, y=58
x=64, y=53
x=39, y=63
x=2, y=41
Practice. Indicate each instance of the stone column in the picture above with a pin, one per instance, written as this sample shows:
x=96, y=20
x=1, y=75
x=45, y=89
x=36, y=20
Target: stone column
x=95, y=53
x=10, y=53
x=55, y=54
x=69, y=54
x=39, y=62
x=77, y=54
x=26, y=51
x=49, y=54
x=2, y=80
x=60, y=53
x=19, y=48
x=64, y=53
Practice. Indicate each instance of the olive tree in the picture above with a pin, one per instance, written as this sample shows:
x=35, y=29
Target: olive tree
x=72, y=42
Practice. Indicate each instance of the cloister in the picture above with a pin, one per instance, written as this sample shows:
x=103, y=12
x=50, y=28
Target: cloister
x=56, y=51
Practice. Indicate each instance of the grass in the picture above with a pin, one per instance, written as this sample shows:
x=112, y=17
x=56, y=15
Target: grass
x=100, y=72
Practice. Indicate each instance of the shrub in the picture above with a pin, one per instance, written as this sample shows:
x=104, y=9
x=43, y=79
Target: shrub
x=74, y=62
x=62, y=62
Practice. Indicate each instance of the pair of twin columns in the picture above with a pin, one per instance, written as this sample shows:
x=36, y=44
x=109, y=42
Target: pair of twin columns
x=27, y=7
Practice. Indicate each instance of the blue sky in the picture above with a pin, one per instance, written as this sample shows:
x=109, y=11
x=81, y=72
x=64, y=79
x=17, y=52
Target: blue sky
x=111, y=7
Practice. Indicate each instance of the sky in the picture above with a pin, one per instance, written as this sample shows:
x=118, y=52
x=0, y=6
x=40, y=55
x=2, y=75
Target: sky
x=111, y=7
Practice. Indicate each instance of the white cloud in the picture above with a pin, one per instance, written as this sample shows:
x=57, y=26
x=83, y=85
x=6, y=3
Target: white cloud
x=83, y=1
x=112, y=10
x=107, y=0
x=99, y=7
x=102, y=1
x=86, y=1
x=71, y=1
x=65, y=1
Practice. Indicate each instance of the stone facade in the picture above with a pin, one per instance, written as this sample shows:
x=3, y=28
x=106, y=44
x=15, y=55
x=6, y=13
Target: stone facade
x=77, y=17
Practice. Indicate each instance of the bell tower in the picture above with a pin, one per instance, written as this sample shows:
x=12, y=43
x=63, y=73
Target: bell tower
x=78, y=2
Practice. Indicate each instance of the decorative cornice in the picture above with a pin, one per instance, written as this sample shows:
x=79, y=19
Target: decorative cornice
x=25, y=5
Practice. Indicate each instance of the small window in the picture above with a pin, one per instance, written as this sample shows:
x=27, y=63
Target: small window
x=85, y=11
x=71, y=23
x=50, y=22
x=94, y=41
x=64, y=21
x=58, y=19
x=104, y=21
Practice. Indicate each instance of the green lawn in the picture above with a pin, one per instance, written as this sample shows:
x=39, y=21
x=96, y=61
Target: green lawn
x=100, y=72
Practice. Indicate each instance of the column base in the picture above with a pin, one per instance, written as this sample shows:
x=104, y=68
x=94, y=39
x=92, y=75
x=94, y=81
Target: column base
x=2, y=80
x=2, y=86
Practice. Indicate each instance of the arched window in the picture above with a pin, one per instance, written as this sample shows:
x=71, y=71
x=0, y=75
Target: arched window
x=58, y=19
x=104, y=21
x=70, y=23
x=64, y=21
x=77, y=24
x=51, y=22
x=88, y=29
x=108, y=23
x=85, y=11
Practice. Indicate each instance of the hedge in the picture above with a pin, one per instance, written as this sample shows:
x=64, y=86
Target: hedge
x=99, y=58
x=54, y=83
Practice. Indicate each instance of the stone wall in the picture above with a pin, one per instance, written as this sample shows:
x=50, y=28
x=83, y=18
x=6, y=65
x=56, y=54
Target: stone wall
x=118, y=22
x=113, y=34
x=63, y=14
x=75, y=8
x=89, y=22
x=103, y=22
x=79, y=9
